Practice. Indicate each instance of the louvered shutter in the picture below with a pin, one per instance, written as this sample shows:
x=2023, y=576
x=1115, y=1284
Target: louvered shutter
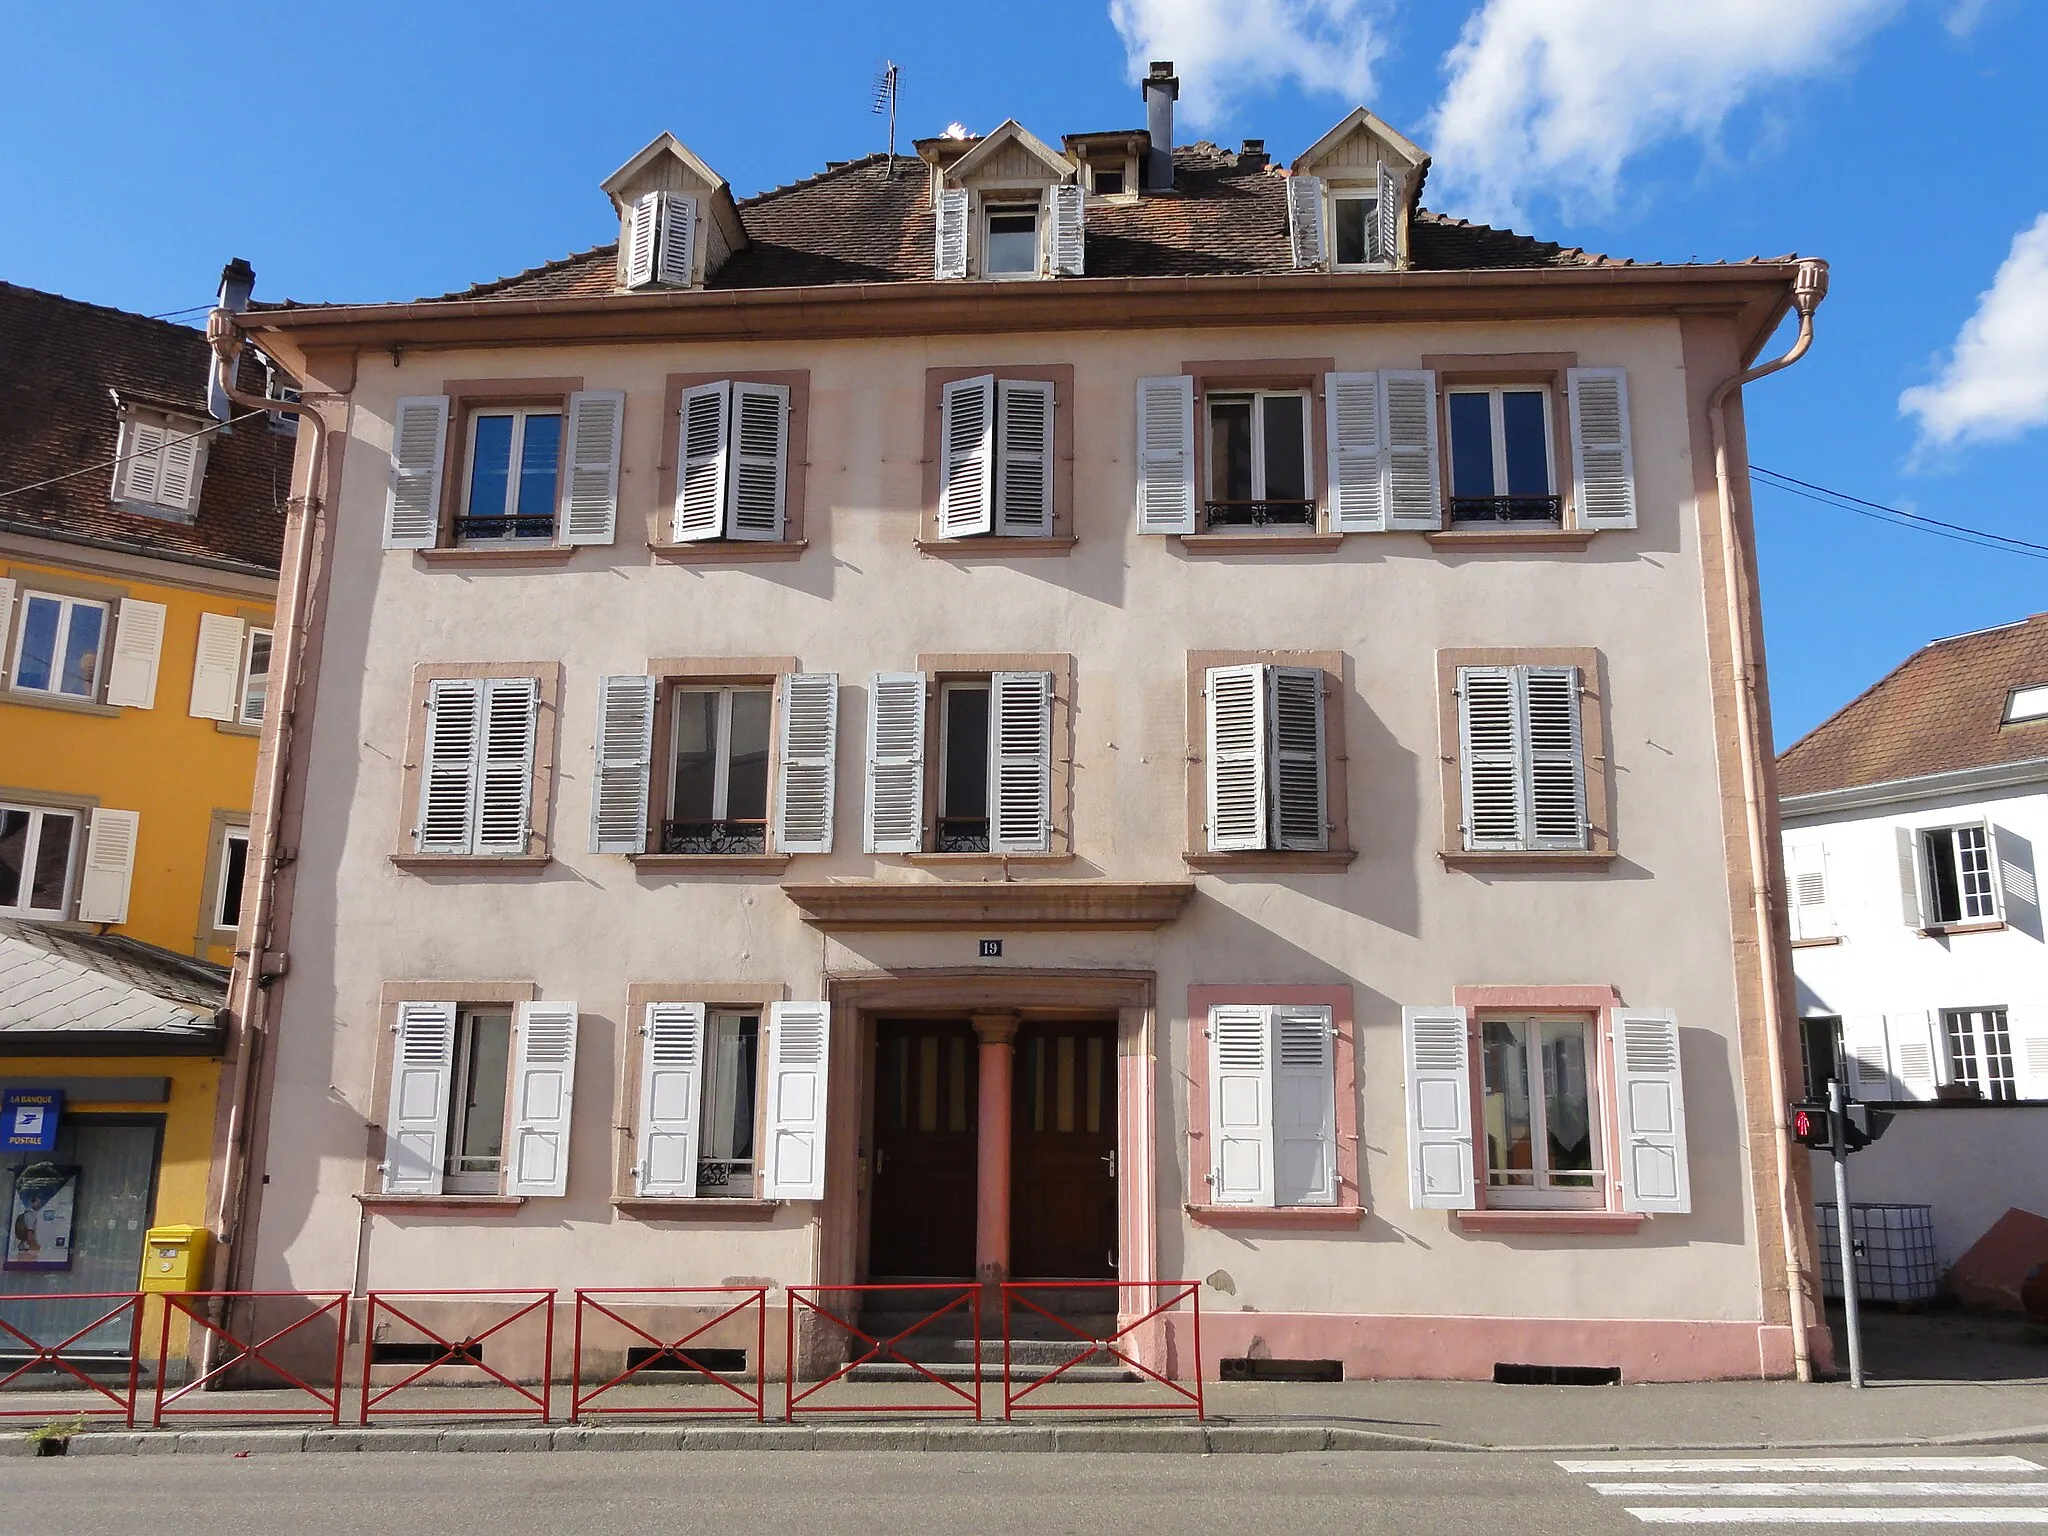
x=2019, y=892
x=799, y=1050
x=671, y=1100
x=895, y=821
x=625, y=757
x=448, y=775
x=1020, y=753
x=6, y=619
x=701, y=462
x=1069, y=228
x=1556, y=785
x=807, y=762
x=505, y=777
x=138, y=651
x=141, y=469
x=1909, y=876
x=1603, y=465
x=109, y=869
x=758, y=464
x=412, y=510
x=1024, y=410
x=2027, y=1029
x=1305, y=219
x=1917, y=1052
x=178, y=487
x=1650, y=1086
x=676, y=262
x=544, y=1098
x=590, y=490
x=1438, y=1057
x=1236, y=757
x=950, y=245
x=966, y=457
x=1166, y=455
x=1387, y=231
x=1351, y=402
x=1806, y=873
x=1490, y=757
x=643, y=228
x=416, y=1123
x=1865, y=1072
x=1413, y=493
x=1295, y=708
x=1304, y=1107
x=1241, y=1105
x=217, y=668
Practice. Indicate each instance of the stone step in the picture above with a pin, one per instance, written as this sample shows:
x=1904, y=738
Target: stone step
x=962, y=1371
x=1036, y=1352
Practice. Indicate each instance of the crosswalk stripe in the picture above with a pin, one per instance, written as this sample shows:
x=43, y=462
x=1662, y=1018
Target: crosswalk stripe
x=1819, y=1490
x=1732, y=1514
x=1807, y=1464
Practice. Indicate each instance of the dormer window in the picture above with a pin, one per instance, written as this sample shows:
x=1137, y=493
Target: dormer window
x=1011, y=244
x=1109, y=183
x=660, y=232
x=1008, y=208
x=1356, y=217
x=159, y=463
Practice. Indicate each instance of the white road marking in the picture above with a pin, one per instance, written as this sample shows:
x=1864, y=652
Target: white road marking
x=1869, y=1514
x=1818, y=1490
x=1808, y=1464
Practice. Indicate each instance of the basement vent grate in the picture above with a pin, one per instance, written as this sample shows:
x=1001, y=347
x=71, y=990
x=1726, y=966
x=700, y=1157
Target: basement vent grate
x=1505, y=1374
x=425, y=1352
x=645, y=1359
x=1282, y=1370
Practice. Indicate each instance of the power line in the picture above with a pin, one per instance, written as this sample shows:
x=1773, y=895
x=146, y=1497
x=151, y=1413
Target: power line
x=172, y=314
x=72, y=474
x=1898, y=517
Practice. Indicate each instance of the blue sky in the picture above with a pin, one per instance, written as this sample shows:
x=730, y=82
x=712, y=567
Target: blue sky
x=428, y=146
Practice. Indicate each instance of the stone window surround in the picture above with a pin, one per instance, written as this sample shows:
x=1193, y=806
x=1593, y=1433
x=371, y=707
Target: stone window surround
x=796, y=465
x=669, y=673
x=1000, y=546
x=1227, y=374
x=1336, y=766
x=31, y=579
x=252, y=618
x=204, y=935
x=465, y=398
x=941, y=667
x=59, y=800
x=540, y=803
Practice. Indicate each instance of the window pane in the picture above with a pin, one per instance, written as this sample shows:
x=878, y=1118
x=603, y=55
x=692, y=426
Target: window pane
x=696, y=775
x=1286, y=447
x=1230, y=449
x=1354, y=218
x=1108, y=183
x=1472, y=445
x=482, y=1145
x=87, y=625
x=1510, y=1148
x=540, y=455
x=53, y=863
x=733, y=1045
x=746, y=774
x=1521, y=414
x=13, y=855
x=1962, y=1051
x=37, y=662
x=1944, y=895
x=1973, y=872
x=1013, y=240
x=257, y=688
x=1568, y=1104
x=235, y=867
x=965, y=791
x=490, y=467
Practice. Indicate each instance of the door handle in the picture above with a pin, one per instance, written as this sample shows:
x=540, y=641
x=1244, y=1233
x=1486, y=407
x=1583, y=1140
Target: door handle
x=1111, y=1160
x=880, y=1158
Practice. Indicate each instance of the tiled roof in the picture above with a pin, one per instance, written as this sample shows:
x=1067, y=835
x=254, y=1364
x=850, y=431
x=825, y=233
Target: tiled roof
x=1941, y=709
x=82, y=984
x=59, y=358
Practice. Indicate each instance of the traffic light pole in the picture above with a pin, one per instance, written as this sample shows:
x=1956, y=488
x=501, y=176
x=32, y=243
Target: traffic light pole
x=1838, y=1123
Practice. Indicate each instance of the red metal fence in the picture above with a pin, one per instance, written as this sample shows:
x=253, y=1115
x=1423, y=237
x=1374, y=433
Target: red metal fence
x=1163, y=1295
x=255, y=1354
x=661, y=1352
x=810, y=1299
x=400, y=1307
x=107, y=1401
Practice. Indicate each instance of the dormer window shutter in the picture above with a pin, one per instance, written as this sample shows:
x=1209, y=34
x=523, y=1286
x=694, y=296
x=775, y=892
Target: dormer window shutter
x=1357, y=490
x=177, y=488
x=967, y=459
x=1166, y=455
x=1305, y=220
x=701, y=462
x=1068, y=226
x=675, y=262
x=643, y=227
x=141, y=468
x=1413, y=495
x=1603, y=466
x=757, y=466
x=1024, y=410
x=590, y=490
x=951, y=242
x=1387, y=230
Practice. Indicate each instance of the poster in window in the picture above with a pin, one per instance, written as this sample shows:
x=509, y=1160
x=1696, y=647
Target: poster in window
x=39, y=1217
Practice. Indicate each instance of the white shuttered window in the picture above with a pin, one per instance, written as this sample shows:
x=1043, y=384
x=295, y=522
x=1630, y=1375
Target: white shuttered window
x=543, y=1099
x=1603, y=463
x=589, y=512
x=138, y=651
x=625, y=755
x=416, y=1115
x=732, y=477
x=419, y=436
x=807, y=762
x=1266, y=759
x=1438, y=1061
x=477, y=771
x=895, y=806
x=967, y=457
x=1272, y=1105
x=799, y=1053
x=1020, y=762
x=1521, y=757
x=1166, y=455
x=671, y=1094
x=1650, y=1087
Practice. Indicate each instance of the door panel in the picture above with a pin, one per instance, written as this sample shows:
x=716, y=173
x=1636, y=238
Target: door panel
x=113, y=1197
x=1063, y=1173
x=926, y=1106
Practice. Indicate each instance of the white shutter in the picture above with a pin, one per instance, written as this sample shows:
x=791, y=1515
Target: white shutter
x=966, y=457
x=1023, y=501
x=1549, y=716
x=757, y=471
x=1241, y=1105
x=448, y=770
x=1020, y=755
x=1918, y=1053
x=2015, y=882
x=1351, y=402
x=416, y=1123
x=671, y=1100
x=1807, y=900
x=1438, y=1058
x=1865, y=1073
x=217, y=668
x=1909, y=876
x=1388, y=232
x=799, y=1049
x=590, y=490
x=141, y=469
x=1069, y=228
x=1304, y=1107
x=807, y=762
x=950, y=244
x=1295, y=708
x=1236, y=757
x=138, y=649
x=419, y=434
x=643, y=226
x=6, y=618
x=1650, y=1088
x=1413, y=493
x=675, y=263
x=895, y=822
x=2027, y=1029
x=178, y=488
x=505, y=774
x=1490, y=757
x=625, y=756
x=701, y=462
x=543, y=1097
x=1305, y=219
x=109, y=866
x=1166, y=455
x=1603, y=466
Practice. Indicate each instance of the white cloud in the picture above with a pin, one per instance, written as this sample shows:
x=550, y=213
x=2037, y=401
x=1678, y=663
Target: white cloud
x=1994, y=385
x=1224, y=50
x=1556, y=95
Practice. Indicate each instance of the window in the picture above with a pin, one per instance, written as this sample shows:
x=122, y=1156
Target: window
x=515, y=461
x=277, y=385
x=718, y=783
x=476, y=1108
x=1956, y=875
x=996, y=457
x=38, y=852
x=994, y=763
x=1356, y=219
x=1820, y=1039
x=1980, y=1051
x=963, y=767
x=477, y=780
x=2024, y=704
x=1807, y=897
x=234, y=869
x=1108, y=183
x=657, y=248
x=1540, y=1112
x=1522, y=758
x=1502, y=467
x=255, y=677
x=1010, y=242
x=1272, y=1105
x=734, y=445
x=60, y=645
x=1259, y=460
x=158, y=464
x=1265, y=747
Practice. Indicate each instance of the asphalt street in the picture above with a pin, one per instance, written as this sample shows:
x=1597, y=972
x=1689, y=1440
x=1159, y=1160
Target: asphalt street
x=764, y=1493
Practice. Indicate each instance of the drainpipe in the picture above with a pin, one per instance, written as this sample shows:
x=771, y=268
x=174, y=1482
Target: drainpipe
x=1808, y=289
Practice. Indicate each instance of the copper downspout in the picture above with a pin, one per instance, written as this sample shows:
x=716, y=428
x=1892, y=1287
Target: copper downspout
x=1809, y=287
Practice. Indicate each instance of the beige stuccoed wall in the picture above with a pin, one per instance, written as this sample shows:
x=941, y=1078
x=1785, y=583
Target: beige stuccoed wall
x=1395, y=925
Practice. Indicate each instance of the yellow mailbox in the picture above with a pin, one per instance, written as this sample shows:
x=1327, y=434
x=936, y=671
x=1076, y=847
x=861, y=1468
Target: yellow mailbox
x=174, y=1258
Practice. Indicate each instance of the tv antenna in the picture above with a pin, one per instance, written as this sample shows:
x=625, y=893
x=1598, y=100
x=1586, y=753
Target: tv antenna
x=884, y=100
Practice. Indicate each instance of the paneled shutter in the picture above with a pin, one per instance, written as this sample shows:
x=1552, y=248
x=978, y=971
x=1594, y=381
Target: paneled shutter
x=1549, y=710
x=799, y=1049
x=1650, y=1088
x=671, y=1100
x=217, y=668
x=1807, y=900
x=109, y=866
x=758, y=465
x=1866, y=1075
x=1020, y=752
x=6, y=617
x=643, y=228
x=701, y=462
x=1305, y=219
x=1304, y=1107
x=1439, y=1091
x=1357, y=476
x=1909, y=876
x=419, y=434
x=1295, y=708
x=1166, y=455
x=895, y=821
x=1413, y=492
x=543, y=1098
x=1917, y=1052
x=448, y=775
x=178, y=487
x=1388, y=230
x=141, y=470
x=138, y=650
x=1603, y=466
x=505, y=778
x=675, y=263
x=1069, y=226
x=416, y=1123
x=950, y=245
x=1241, y=1105
x=1490, y=757
x=625, y=756
x=966, y=457
x=807, y=762
x=2027, y=1029
x=1237, y=757
x=590, y=490
x=1024, y=410
x=2019, y=891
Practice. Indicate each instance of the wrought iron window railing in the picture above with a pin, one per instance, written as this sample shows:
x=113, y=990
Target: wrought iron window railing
x=1507, y=509
x=1264, y=513
x=491, y=529
x=714, y=837
x=963, y=834
x=728, y=1179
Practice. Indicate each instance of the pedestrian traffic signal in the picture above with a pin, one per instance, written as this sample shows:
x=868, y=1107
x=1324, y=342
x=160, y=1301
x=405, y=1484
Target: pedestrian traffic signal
x=1861, y=1125
x=1810, y=1127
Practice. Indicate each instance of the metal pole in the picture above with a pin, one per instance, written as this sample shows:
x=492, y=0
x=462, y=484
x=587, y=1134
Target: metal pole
x=1838, y=1119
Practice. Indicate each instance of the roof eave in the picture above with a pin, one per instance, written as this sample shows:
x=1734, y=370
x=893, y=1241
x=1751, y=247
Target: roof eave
x=1924, y=786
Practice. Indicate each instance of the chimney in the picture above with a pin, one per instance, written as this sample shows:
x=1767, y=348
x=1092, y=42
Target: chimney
x=1253, y=156
x=237, y=282
x=1161, y=90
